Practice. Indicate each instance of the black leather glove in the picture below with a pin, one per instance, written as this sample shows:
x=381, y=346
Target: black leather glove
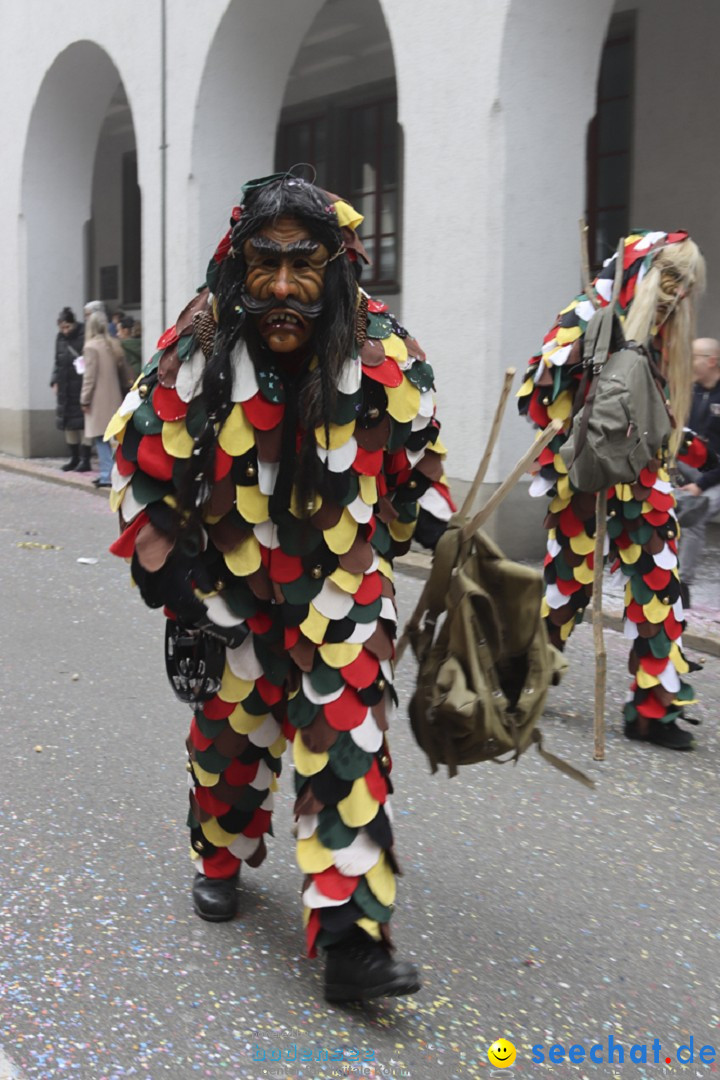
x=429, y=529
x=171, y=586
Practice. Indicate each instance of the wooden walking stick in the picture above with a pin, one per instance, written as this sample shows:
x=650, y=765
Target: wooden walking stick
x=492, y=439
x=585, y=265
x=598, y=636
x=414, y=619
x=510, y=481
x=599, y=561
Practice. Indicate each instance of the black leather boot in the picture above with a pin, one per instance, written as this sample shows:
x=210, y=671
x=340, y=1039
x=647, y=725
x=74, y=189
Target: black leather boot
x=74, y=459
x=358, y=968
x=666, y=734
x=84, y=463
x=215, y=899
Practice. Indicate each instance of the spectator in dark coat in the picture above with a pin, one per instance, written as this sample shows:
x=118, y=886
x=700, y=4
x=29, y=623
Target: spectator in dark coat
x=66, y=381
x=132, y=346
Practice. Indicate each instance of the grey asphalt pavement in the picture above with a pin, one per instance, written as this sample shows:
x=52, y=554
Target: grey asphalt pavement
x=537, y=910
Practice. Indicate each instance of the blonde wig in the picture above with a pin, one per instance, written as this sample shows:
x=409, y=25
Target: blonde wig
x=665, y=306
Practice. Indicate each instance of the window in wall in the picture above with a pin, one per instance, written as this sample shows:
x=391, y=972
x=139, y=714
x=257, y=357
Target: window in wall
x=373, y=188
x=609, y=150
x=354, y=146
x=304, y=141
x=131, y=231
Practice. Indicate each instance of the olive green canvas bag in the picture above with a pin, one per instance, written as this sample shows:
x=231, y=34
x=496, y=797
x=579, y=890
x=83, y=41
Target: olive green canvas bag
x=484, y=661
x=620, y=419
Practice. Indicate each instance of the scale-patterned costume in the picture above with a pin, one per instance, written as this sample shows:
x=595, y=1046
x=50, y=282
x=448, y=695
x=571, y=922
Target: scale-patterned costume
x=316, y=594
x=642, y=526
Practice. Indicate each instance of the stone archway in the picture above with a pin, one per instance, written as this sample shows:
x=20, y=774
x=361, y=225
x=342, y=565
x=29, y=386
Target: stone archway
x=59, y=162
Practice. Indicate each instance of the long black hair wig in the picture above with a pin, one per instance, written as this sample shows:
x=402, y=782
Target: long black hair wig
x=314, y=392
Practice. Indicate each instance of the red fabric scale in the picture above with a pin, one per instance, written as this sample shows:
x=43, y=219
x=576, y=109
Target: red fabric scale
x=217, y=709
x=537, y=411
x=263, y=414
x=661, y=500
x=222, y=465
x=124, y=467
x=167, y=404
x=656, y=517
x=210, y=803
x=362, y=672
x=695, y=455
x=368, y=462
x=335, y=885
x=569, y=524
x=154, y=459
x=281, y=567
x=168, y=338
x=388, y=373
x=653, y=665
x=124, y=546
x=370, y=590
x=445, y=492
x=260, y=623
x=377, y=307
x=651, y=707
x=222, y=864
x=658, y=579
x=259, y=823
x=376, y=782
x=635, y=612
x=647, y=477
x=292, y=636
x=238, y=774
x=199, y=741
x=567, y=588
x=312, y=930
x=346, y=712
x=269, y=693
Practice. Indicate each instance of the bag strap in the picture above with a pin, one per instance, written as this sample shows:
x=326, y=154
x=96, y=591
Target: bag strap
x=558, y=763
x=596, y=349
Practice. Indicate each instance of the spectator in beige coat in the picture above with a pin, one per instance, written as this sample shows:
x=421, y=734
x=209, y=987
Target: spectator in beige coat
x=100, y=395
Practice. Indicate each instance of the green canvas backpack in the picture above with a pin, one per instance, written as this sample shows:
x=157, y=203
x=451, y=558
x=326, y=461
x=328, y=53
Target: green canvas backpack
x=484, y=661
x=621, y=417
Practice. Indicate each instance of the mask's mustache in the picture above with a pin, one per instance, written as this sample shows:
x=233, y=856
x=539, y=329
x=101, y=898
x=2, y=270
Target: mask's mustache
x=262, y=307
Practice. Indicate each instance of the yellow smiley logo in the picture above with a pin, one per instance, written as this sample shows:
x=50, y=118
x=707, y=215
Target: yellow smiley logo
x=501, y=1054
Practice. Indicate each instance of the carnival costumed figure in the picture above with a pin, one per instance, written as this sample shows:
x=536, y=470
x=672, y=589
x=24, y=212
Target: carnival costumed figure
x=274, y=456
x=662, y=275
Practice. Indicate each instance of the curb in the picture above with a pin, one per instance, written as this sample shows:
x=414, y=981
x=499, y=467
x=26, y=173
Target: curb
x=415, y=564
x=51, y=475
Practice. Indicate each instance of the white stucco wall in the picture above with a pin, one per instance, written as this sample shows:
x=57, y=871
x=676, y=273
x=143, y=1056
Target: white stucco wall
x=493, y=97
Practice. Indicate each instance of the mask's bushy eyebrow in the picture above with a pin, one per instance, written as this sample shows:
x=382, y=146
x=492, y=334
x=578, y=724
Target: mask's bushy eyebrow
x=264, y=246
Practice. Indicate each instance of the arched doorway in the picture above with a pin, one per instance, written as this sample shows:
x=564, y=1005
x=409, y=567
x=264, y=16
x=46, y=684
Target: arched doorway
x=236, y=115
x=339, y=113
x=261, y=70
x=80, y=209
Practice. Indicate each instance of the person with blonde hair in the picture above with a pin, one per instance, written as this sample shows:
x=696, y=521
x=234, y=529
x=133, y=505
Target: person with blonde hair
x=662, y=275
x=101, y=393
